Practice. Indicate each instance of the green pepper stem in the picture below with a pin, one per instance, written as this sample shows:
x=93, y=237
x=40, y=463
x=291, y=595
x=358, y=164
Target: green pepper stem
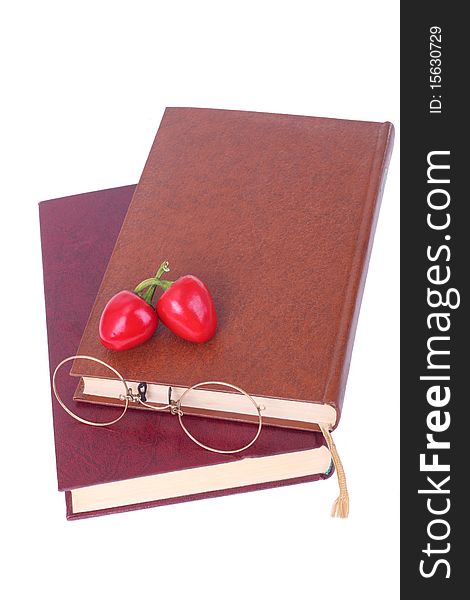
x=152, y=283
x=164, y=284
x=145, y=284
x=163, y=268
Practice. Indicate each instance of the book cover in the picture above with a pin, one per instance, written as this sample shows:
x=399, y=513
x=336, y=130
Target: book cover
x=276, y=214
x=78, y=234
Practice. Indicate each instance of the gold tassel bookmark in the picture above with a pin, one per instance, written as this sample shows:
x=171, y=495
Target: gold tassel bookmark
x=341, y=504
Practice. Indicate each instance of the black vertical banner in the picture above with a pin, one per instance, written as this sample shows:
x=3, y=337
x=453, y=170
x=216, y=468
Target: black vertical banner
x=435, y=229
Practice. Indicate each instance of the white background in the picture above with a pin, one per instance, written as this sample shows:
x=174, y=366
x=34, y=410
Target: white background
x=84, y=85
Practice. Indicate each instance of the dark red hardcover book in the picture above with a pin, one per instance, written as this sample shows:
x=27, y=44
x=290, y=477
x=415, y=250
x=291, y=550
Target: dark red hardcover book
x=145, y=455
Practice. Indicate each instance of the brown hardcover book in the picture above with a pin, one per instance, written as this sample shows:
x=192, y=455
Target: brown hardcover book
x=276, y=214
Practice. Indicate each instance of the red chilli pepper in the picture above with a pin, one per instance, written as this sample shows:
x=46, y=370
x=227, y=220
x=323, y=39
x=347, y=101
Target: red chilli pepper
x=186, y=307
x=127, y=321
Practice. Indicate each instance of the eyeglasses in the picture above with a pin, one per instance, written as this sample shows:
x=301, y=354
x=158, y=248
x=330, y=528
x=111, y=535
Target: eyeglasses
x=174, y=406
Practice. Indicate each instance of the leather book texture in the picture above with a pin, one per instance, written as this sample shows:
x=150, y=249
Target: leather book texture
x=78, y=234
x=276, y=214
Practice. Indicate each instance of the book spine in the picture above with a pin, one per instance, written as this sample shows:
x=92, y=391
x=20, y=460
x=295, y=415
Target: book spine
x=336, y=382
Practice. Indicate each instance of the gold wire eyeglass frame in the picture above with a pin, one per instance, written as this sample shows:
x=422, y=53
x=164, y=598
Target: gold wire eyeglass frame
x=174, y=406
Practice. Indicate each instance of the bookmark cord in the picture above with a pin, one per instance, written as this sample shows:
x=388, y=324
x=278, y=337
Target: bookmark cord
x=341, y=504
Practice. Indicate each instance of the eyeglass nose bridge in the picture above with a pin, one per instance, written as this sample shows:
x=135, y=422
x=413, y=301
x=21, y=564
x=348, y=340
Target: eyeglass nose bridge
x=174, y=404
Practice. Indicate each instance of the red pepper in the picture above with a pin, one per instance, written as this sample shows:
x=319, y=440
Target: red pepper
x=127, y=321
x=186, y=307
